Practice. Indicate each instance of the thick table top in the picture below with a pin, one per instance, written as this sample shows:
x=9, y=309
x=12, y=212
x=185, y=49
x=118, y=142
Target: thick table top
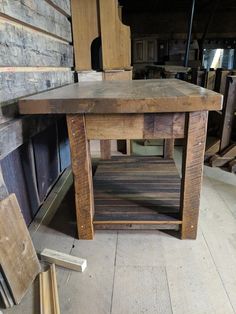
x=140, y=96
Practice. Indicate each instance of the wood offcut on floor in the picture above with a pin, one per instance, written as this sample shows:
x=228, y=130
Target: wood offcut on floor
x=137, y=271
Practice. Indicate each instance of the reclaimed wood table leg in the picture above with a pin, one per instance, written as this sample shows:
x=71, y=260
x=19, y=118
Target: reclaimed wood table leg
x=105, y=146
x=82, y=171
x=168, y=150
x=193, y=158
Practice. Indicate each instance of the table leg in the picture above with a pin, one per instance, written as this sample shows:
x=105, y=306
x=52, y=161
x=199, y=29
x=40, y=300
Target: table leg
x=169, y=145
x=82, y=171
x=105, y=146
x=193, y=158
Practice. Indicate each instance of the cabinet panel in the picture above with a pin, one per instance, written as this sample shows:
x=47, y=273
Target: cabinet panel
x=139, y=51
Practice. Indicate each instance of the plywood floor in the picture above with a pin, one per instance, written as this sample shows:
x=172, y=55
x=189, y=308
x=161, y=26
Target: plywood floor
x=134, y=272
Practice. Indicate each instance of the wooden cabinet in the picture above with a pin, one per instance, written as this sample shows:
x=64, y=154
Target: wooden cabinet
x=145, y=50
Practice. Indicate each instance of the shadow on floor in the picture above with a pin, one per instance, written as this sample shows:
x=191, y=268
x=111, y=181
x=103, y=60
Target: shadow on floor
x=64, y=220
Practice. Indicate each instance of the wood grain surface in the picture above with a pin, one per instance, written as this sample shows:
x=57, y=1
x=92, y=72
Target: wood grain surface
x=39, y=15
x=116, y=37
x=135, y=126
x=136, y=190
x=85, y=30
x=140, y=96
x=82, y=171
x=49, y=299
x=229, y=108
x=18, y=258
x=22, y=46
x=192, y=168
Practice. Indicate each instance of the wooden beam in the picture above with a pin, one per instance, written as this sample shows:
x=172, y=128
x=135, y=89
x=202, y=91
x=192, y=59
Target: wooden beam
x=219, y=160
x=229, y=108
x=169, y=145
x=49, y=301
x=112, y=75
x=212, y=149
x=16, y=132
x=38, y=15
x=82, y=171
x=64, y=260
x=193, y=158
x=63, y=6
x=116, y=38
x=210, y=79
x=135, y=126
x=105, y=147
x=16, y=84
x=85, y=30
x=31, y=48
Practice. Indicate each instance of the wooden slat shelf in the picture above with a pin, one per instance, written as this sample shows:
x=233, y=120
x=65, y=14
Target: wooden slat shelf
x=136, y=191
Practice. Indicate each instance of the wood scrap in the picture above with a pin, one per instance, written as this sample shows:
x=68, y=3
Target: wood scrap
x=64, y=260
x=49, y=301
x=18, y=258
x=219, y=160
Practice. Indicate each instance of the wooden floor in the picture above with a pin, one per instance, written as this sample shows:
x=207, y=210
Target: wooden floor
x=134, y=272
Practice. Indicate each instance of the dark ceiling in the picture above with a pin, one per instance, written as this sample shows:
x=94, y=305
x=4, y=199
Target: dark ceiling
x=176, y=5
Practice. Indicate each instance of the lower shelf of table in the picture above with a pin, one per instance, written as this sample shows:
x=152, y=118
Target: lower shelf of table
x=137, y=193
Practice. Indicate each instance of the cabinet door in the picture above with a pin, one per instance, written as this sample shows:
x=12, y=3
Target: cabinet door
x=151, y=50
x=139, y=51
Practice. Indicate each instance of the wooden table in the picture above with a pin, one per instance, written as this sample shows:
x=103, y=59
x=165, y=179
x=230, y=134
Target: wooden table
x=133, y=192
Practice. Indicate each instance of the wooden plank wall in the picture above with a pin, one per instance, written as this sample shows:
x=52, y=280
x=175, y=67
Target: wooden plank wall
x=36, y=54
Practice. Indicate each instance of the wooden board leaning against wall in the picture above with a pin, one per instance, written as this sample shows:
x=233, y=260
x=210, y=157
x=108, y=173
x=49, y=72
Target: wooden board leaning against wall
x=36, y=55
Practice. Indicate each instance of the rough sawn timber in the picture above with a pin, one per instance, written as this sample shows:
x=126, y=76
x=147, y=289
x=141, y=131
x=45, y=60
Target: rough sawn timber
x=18, y=84
x=193, y=158
x=18, y=258
x=140, y=96
x=85, y=30
x=135, y=126
x=116, y=38
x=39, y=15
x=32, y=48
x=82, y=171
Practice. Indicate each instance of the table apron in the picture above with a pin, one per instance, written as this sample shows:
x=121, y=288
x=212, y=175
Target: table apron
x=135, y=126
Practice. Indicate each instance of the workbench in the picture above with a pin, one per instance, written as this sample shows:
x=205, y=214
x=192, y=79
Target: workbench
x=130, y=191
